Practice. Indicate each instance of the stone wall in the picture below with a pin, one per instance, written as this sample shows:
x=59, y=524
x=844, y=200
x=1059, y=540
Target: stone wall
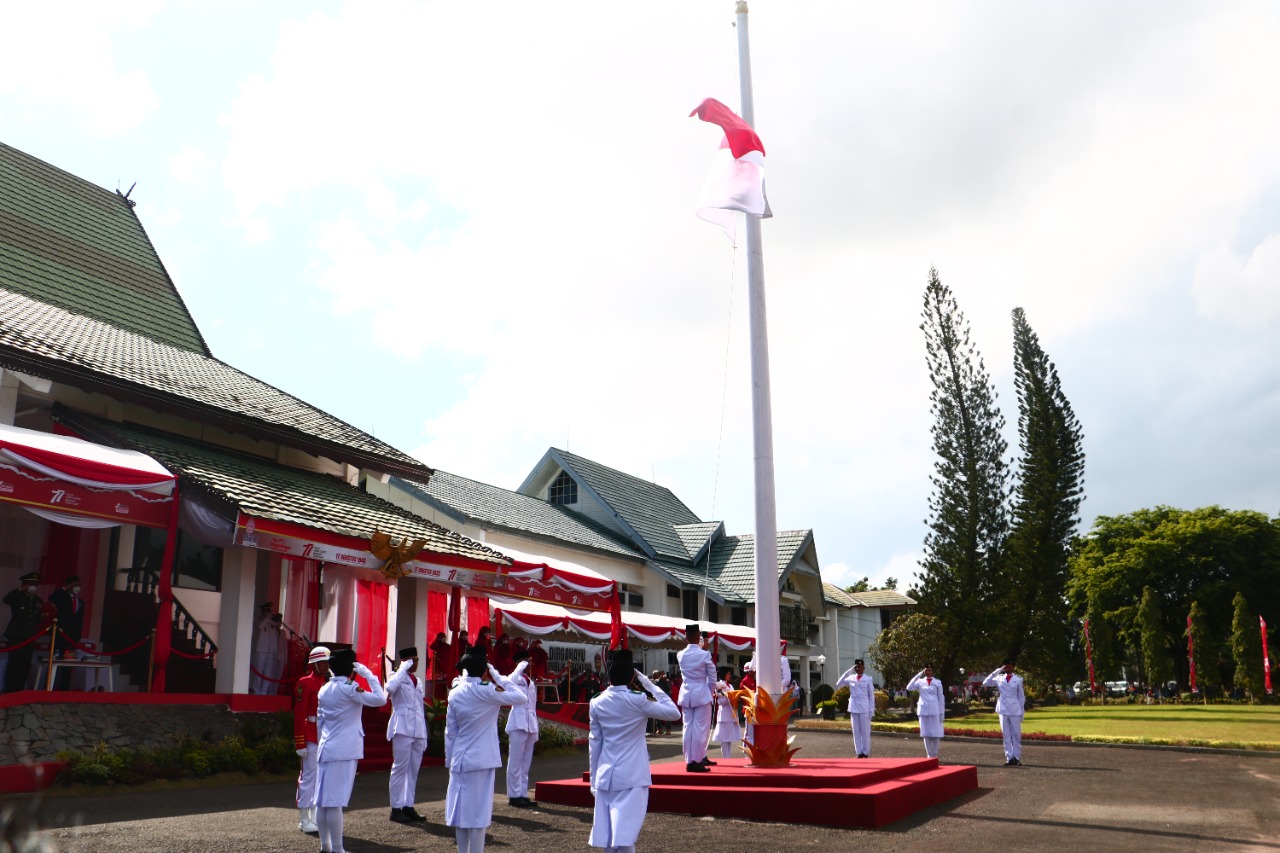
x=38, y=732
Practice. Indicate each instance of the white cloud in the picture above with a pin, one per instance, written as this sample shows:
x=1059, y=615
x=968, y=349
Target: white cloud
x=1244, y=292
x=79, y=71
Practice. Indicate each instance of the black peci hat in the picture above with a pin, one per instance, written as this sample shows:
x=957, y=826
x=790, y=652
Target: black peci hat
x=342, y=662
x=409, y=652
x=621, y=667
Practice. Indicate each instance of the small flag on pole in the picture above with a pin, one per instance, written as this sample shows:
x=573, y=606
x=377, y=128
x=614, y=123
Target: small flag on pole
x=736, y=180
x=1266, y=661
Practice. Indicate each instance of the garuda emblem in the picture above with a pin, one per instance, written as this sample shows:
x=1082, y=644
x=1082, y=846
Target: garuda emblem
x=395, y=556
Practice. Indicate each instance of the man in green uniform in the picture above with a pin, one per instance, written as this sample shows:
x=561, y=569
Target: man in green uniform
x=24, y=621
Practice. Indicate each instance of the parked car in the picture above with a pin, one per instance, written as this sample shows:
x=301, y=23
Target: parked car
x=1117, y=688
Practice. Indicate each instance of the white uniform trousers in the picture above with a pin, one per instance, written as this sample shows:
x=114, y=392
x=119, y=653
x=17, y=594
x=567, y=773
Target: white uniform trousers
x=861, y=725
x=307, y=779
x=468, y=801
x=697, y=730
x=619, y=816
x=519, y=760
x=406, y=761
x=1011, y=730
x=931, y=733
x=333, y=783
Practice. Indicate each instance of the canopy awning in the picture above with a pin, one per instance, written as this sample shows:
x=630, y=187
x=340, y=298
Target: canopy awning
x=73, y=481
x=650, y=629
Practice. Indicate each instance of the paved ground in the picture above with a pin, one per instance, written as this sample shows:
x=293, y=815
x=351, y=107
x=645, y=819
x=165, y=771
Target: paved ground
x=1080, y=797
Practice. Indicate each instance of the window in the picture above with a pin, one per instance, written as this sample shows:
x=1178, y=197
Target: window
x=564, y=490
x=195, y=566
x=689, y=608
x=738, y=616
x=713, y=611
x=630, y=596
x=673, y=591
x=794, y=622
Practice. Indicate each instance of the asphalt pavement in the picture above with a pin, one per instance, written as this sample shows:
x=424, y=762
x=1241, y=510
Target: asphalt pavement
x=1064, y=796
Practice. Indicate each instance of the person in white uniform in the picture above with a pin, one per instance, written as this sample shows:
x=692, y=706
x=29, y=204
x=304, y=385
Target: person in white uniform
x=619, y=758
x=931, y=708
x=471, y=748
x=697, y=675
x=339, y=706
x=522, y=733
x=266, y=652
x=727, y=732
x=407, y=731
x=862, y=706
x=1011, y=705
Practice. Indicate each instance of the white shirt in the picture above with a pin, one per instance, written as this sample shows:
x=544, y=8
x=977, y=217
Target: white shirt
x=523, y=718
x=1012, y=701
x=697, y=675
x=339, y=706
x=618, y=755
x=471, y=723
x=862, y=692
x=408, y=717
x=932, y=701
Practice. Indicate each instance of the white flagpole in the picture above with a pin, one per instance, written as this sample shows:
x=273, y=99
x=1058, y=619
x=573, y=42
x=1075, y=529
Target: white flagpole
x=768, y=656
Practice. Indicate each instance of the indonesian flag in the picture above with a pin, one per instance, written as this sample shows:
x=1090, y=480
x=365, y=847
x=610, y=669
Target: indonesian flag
x=736, y=180
x=1266, y=661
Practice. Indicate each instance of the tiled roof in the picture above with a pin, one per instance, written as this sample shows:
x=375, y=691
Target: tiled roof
x=479, y=502
x=696, y=536
x=698, y=576
x=94, y=355
x=733, y=561
x=69, y=243
x=652, y=511
x=265, y=489
x=869, y=598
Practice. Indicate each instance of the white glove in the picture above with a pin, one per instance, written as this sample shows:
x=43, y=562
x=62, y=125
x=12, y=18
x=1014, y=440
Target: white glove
x=362, y=670
x=405, y=664
x=520, y=667
x=302, y=753
x=497, y=676
x=593, y=792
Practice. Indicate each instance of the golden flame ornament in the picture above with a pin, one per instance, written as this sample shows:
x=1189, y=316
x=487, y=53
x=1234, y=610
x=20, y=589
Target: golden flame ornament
x=396, y=556
x=772, y=747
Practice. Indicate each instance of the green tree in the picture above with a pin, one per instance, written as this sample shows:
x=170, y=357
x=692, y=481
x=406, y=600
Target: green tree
x=1102, y=641
x=1156, y=662
x=905, y=647
x=968, y=521
x=1204, y=649
x=861, y=586
x=1048, y=489
x=1246, y=648
x=890, y=583
x=1203, y=555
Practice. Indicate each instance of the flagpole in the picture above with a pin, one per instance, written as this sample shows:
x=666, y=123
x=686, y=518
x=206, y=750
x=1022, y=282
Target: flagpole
x=768, y=658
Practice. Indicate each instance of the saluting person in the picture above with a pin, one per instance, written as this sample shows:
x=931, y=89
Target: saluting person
x=25, y=620
x=697, y=676
x=339, y=706
x=407, y=731
x=619, y=758
x=522, y=733
x=1011, y=705
x=471, y=748
x=306, y=734
x=931, y=708
x=862, y=705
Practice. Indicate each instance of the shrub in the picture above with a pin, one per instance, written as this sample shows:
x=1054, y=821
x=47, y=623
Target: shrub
x=552, y=737
x=882, y=701
x=841, y=698
x=821, y=693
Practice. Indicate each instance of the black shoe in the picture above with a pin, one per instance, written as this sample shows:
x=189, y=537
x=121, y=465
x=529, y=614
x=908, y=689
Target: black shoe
x=863, y=755
x=398, y=816
x=521, y=802
x=1015, y=762
x=707, y=762
x=412, y=815
x=695, y=767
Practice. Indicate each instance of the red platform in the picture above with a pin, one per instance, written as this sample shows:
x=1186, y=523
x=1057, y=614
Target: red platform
x=868, y=792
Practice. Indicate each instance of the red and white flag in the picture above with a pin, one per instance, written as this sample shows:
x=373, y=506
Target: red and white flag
x=736, y=180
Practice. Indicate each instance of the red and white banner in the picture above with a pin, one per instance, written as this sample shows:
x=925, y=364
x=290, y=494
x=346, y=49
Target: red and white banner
x=1191, y=655
x=1266, y=661
x=1088, y=652
x=51, y=497
x=735, y=183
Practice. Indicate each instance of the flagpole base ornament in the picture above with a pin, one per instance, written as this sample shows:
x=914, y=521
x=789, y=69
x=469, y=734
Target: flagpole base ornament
x=772, y=745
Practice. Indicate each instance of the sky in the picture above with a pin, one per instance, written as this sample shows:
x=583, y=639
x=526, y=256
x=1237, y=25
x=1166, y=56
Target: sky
x=468, y=229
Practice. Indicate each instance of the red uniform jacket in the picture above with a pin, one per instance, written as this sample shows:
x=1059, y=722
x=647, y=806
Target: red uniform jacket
x=304, y=709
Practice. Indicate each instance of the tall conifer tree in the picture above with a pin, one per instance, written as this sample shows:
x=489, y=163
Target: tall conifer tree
x=1049, y=486
x=968, y=521
x=1246, y=648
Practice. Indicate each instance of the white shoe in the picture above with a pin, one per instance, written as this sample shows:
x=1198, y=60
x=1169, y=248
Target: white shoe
x=308, y=827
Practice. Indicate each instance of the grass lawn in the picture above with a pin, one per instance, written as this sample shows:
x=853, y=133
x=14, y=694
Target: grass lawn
x=1236, y=726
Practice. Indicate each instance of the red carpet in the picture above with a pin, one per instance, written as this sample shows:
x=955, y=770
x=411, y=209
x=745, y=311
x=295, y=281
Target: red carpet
x=869, y=792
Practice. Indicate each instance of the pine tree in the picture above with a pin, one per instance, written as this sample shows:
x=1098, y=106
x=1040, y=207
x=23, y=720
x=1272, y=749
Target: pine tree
x=1246, y=648
x=1047, y=494
x=968, y=521
x=1205, y=650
